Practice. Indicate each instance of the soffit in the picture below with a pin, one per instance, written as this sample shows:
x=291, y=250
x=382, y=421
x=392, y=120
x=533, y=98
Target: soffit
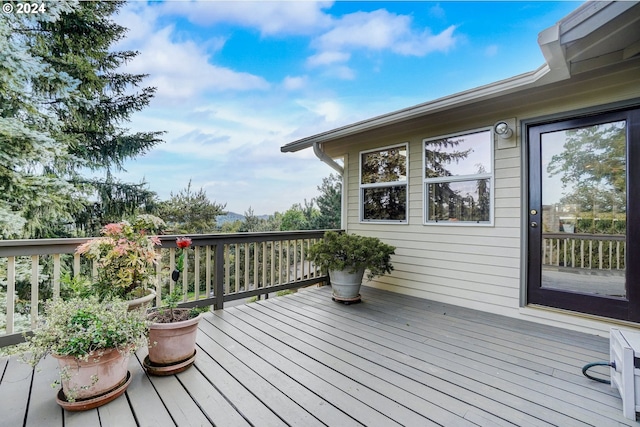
x=600, y=34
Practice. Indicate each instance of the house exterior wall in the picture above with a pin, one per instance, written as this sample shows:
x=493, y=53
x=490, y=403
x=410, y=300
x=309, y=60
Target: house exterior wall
x=479, y=267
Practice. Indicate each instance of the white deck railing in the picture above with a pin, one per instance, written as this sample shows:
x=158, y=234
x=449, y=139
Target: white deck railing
x=585, y=251
x=219, y=268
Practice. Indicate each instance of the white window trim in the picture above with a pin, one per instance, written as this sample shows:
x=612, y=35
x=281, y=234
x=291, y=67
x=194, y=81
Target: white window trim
x=457, y=178
x=362, y=186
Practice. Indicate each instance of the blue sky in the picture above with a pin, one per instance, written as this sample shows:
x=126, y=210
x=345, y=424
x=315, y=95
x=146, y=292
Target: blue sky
x=236, y=80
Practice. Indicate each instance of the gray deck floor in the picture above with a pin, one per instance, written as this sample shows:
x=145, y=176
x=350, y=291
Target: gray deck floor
x=304, y=360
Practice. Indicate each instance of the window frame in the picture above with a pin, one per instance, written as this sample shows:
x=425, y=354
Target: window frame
x=362, y=187
x=459, y=178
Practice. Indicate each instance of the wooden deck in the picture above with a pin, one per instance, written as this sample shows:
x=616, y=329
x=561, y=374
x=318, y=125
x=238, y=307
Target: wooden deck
x=304, y=360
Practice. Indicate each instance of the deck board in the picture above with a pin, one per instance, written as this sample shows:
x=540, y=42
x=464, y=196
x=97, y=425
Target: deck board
x=304, y=360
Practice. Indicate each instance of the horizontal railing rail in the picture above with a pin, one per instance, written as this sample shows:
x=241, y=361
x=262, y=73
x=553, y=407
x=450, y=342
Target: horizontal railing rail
x=219, y=268
x=584, y=251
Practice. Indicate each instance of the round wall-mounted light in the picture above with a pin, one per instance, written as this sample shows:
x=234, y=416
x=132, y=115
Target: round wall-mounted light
x=503, y=130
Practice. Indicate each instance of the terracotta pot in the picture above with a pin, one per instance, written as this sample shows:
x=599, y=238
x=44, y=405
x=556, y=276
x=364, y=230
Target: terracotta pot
x=144, y=301
x=171, y=343
x=108, y=366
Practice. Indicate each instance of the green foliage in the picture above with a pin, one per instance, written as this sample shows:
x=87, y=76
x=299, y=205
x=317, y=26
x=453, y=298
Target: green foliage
x=82, y=327
x=341, y=251
x=63, y=103
x=125, y=255
x=75, y=287
x=169, y=312
x=592, y=168
x=298, y=218
x=189, y=212
x=329, y=204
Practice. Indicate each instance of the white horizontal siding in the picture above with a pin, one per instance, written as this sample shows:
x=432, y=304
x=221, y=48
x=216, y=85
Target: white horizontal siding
x=474, y=266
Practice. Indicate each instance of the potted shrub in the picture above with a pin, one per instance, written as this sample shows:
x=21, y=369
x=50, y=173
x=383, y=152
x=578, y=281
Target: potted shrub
x=172, y=330
x=125, y=256
x=92, y=341
x=345, y=257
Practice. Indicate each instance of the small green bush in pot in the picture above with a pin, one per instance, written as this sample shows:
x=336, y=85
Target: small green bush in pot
x=352, y=252
x=83, y=331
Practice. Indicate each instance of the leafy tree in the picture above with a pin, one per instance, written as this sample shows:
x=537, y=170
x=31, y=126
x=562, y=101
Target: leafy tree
x=63, y=105
x=446, y=198
x=294, y=219
x=384, y=166
x=28, y=124
x=592, y=167
x=329, y=203
x=190, y=211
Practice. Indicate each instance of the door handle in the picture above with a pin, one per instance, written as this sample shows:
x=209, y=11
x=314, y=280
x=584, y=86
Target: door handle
x=534, y=224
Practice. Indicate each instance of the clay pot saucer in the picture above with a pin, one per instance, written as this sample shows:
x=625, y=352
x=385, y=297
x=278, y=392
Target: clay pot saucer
x=93, y=402
x=169, y=369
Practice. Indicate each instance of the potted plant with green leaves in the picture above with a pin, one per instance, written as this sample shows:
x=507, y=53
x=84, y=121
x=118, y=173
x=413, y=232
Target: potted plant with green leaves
x=92, y=340
x=172, y=330
x=345, y=257
x=125, y=254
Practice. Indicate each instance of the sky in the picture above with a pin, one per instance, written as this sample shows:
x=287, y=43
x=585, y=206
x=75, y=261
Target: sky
x=236, y=80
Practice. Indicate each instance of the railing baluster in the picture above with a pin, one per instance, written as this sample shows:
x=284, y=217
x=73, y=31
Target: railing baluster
x=35, y=264
x=280, y=261
x=227, y=268
x=207, y=277
x=196, y=272
x=11, y=293
x=76, y=265
x=600, y=255
x=56, y=275
x=273, y=264
x=159, y=281
x=172, y=266
x=264, y=263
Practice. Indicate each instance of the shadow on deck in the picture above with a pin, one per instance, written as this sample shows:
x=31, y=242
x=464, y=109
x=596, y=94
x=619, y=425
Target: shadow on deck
x=304, y=360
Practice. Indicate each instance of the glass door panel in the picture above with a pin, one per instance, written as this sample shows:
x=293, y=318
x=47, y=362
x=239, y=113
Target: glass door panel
x=583, y=219
x=584, y=205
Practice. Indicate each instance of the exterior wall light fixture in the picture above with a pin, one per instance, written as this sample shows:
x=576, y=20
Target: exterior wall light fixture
x=503, y=130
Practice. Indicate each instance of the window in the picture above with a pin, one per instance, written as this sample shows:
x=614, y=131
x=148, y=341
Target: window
x=458, y=178
x=383, y=184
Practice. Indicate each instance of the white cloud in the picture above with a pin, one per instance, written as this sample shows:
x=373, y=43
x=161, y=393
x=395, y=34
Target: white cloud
x=370, y=30
x=180, y=70
x=294, y=83
x=376, y=31
x=379, y=30
x=327, y=58
x=329, y=110
x=270, y=17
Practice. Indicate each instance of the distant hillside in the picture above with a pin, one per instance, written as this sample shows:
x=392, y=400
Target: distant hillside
x=232, y=216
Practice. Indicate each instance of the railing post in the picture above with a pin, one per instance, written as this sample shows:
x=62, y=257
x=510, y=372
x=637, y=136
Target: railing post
x=218, y=290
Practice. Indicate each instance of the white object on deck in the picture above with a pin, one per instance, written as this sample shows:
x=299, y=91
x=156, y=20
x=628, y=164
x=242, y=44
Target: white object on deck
x=625, y=353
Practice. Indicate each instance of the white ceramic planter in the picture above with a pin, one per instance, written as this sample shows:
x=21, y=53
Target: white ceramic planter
x=346, y=285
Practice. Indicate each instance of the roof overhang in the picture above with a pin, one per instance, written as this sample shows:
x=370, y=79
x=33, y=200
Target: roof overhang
x=595, y=35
